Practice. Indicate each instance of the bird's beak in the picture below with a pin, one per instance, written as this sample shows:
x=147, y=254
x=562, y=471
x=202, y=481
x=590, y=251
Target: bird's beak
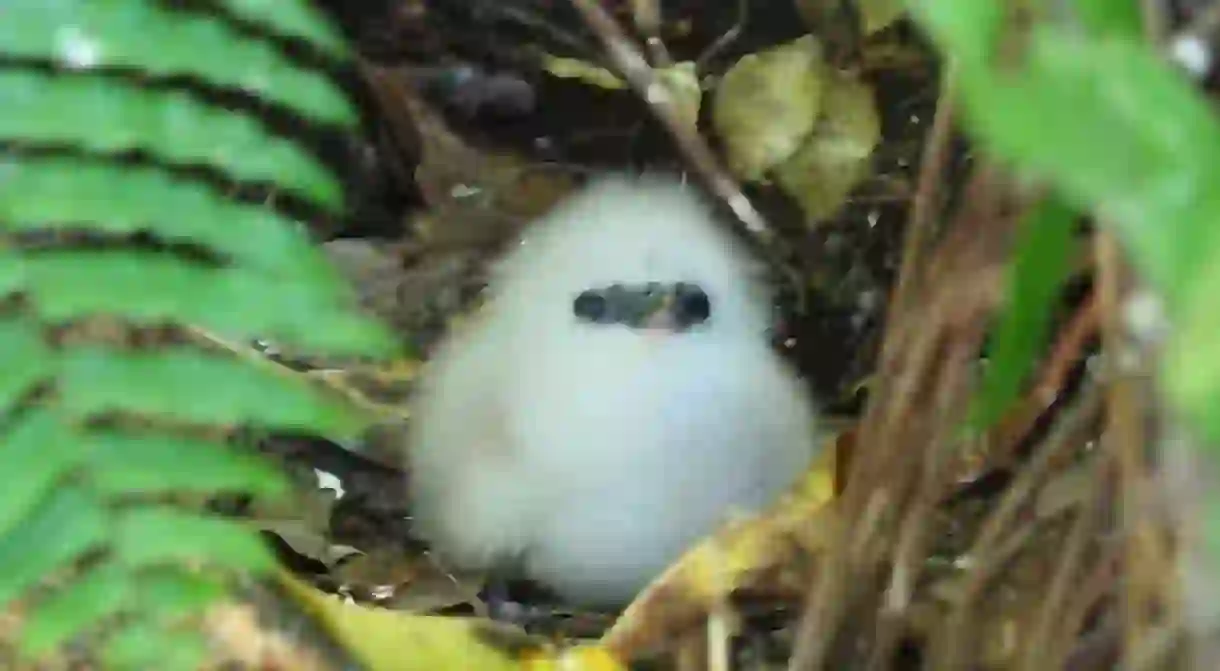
x=660, y=320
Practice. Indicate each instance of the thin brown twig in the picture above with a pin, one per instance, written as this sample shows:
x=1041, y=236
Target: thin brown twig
x=727, y=37
x=827, y=602
x=1051, y=629
x=1126, y=434
x=912, y=337
x=532, y=20
x=1064, y=355
x=1066, y=352
x=632, y=66
x=646, y=14
x=1158, y=652
x=983, y=553
x=920, y=228
x=896, y=463
x=936, y=473
x=1156, y=23
x=1099, y=583
x=1096, y=648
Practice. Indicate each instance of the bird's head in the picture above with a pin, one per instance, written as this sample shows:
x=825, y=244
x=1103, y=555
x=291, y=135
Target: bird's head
x=633, y=257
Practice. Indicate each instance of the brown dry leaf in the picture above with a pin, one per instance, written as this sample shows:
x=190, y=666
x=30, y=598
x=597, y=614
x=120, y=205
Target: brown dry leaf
x=1066, y=490
x=431, y=588
x=767, y=104
x=704, y=577
x=402, y=297
x=367, y=267
x=384, y=566
x=405, y=582
x=412, y=289
x=383, y=388
x=823, y=172
x=303, y=522
x=877, y=15
x=474, y=197
x=307, y=541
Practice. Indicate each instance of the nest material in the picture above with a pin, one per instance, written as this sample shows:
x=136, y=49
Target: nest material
x=1013, y=547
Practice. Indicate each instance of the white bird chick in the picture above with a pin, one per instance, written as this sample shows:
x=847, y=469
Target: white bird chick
x=616, y=402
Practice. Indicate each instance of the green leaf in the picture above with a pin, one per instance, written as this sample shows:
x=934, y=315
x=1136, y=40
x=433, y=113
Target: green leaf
x=194, y=386
x=67, y=524
x=104, y=115
x=42, y=192
x=149, y=463
x=83, y=34
x=1131, y=137
x=146, y=536
x=101, y=592
x=146, y=643
x=1132, y=140
x=42, y=450
x=1192, y=357
x=12, y=271
x=1115, y=17
x=155, y=287
x=1041, y=265
x=28, y=360
x=967, y=29
x=294, y=19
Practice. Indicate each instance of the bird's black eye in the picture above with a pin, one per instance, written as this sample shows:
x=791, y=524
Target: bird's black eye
x=591, y=306
x=691, y=304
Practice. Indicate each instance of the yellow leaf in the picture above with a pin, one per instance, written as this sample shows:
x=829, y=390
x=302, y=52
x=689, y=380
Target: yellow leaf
x=686, y=96
x=386, y=640
x=823, y=172
x=877, y=15
x=767, y=104
x=572, y=68
x=579, y=658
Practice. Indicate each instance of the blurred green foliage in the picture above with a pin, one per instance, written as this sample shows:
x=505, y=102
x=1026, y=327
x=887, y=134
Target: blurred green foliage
x=1091, y=109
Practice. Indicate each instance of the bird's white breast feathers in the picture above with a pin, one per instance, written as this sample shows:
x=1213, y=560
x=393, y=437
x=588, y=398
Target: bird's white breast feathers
x=593, y=454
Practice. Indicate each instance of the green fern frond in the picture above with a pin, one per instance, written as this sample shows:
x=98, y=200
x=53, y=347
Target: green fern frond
x=235, y=301
x=95, y=113
x=291, y=19
x=46, y=193
x=197, y=387
x=87, y=435
x=43, y=451
x=166, y=464
x=27, y=358
x=164, y=43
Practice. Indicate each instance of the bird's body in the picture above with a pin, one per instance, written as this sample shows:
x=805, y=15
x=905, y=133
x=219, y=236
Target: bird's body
x=590, y=454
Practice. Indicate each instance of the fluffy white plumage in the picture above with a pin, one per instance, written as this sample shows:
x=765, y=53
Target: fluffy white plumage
x=589, y=456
